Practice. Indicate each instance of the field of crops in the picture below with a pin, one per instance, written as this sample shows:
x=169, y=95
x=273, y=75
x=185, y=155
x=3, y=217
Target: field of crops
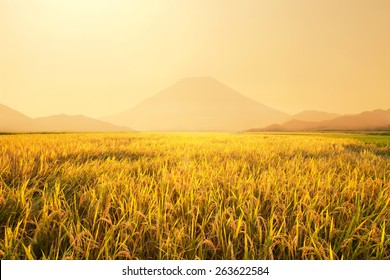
x=194, y=196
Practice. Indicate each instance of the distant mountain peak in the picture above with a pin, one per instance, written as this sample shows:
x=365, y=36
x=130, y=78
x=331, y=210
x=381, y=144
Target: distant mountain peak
x=197, y=78
x=198, y=104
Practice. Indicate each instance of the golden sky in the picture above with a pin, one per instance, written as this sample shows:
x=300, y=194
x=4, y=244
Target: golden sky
x=100, y=57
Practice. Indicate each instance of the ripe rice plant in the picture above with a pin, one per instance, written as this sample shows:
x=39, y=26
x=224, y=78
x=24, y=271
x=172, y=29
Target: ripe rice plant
x=194, y=196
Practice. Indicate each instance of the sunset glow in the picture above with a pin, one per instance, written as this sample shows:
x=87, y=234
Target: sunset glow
x=104, y=57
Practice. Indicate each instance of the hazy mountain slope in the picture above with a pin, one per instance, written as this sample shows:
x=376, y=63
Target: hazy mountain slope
x=13, y=121
x=66, y=123
x=202, y=104
x=314, y=116
x=370, y=120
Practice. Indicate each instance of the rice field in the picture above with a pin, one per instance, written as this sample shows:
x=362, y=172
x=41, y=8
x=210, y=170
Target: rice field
x=194, y=196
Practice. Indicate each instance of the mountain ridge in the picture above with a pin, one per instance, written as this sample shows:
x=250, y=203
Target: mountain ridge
x=197, y=104
x=14, y=121
x=314, y=115
x=378, y=119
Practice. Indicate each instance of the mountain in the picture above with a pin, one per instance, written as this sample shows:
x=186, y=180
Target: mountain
x=314, y=116
x=198, y=104
x=13, y=121
x=369, y=120
x=80, y=123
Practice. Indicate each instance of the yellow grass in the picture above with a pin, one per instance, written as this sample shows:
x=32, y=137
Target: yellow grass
x=193, y=196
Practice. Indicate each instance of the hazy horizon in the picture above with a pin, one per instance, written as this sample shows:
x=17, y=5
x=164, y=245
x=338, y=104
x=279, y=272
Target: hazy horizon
x=99, y=58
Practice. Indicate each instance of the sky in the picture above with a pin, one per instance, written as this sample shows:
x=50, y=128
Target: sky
x=102, y=57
